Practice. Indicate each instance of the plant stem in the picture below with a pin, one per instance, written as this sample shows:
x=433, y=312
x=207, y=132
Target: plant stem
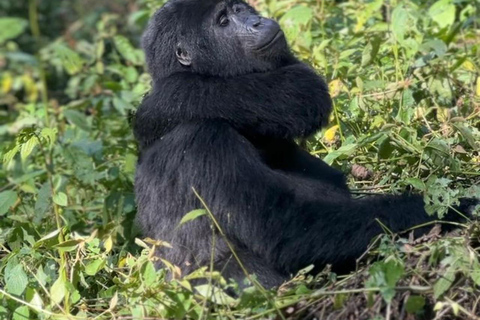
x=34, y=27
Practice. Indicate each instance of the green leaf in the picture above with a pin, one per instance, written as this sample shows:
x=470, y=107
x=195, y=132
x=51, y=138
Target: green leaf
x=127, y=51
x=121, y=105
x=295, y=21
x=58, y=290
x=475, y=273
x=11, y=28
x=149, y=274
x=399, y=22
x=370, y=51
x=61, y=199
x=9, y=155
x=28, y=146
x=443, y=13
x=49, y=236
x=192, y=215
x=385, y=275
x=415, y=304
x=416, y=183
x=94, y=266
x=71, y=61
x=298, y=15
x=50, y=135
x=215, y=294
x=7, y=200
x=444, y=283
x=43, y=203
x=68, y=245
x=344, y=150
x=16, y=280
x=21, y=313
x=467, y=134
x=77, y=118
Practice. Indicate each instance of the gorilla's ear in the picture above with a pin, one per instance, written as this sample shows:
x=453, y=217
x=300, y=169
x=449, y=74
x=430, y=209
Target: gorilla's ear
x=183, y=57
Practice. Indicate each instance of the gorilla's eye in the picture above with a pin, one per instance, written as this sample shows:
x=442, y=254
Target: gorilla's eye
x=223, y=20
x=237, y=9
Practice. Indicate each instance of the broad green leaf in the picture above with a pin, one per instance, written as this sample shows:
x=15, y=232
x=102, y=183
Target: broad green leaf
x=344, y=150
x=49, y=134
x=58, y=290
x=445, y=282
x=21, y=313
x=149, y=274
x=475, y=273
x=127, y=51
x=43, y=203
x=61, y=199
x=370, y=51
x=94, y=266
x=192, y=215
x=28, y=146
x=443, y=13
x=467, y=134
x=11, y=28
x=121, y=105
x=49, y=236
x=69, y=245
x=385, y=275
x=215, y=294
x=16, y=280
x=77, y=118
x=36, y=300
x=298, y=15
x=114, y=301
x=399, y=22
x=71, y=61
x=416, y=183
x=9, y=155
x=7, y=200
x=415, y=304
x=295, y=20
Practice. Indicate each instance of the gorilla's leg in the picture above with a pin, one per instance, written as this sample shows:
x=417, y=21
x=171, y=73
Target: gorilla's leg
x=254, y=265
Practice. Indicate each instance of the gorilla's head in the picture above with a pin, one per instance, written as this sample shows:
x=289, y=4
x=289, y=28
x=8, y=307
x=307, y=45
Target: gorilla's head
x=213, y=37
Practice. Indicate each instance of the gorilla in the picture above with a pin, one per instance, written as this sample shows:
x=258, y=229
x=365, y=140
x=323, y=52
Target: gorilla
x=228, y=100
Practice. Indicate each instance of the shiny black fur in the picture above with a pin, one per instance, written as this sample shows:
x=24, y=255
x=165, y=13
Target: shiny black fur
x=226, y=126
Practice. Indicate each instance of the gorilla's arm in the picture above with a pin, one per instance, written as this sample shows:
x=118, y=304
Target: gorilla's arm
x=286, y=155
x=288, y=102
x=264, y=210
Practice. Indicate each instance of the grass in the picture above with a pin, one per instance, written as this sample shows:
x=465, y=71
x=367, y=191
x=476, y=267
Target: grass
x=405, y=78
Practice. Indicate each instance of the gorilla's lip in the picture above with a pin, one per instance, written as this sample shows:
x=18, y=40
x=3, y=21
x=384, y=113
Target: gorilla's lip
x=275, y=38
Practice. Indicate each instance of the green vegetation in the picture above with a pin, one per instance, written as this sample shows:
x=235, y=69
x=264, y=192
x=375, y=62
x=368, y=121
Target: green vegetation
x=405, y=76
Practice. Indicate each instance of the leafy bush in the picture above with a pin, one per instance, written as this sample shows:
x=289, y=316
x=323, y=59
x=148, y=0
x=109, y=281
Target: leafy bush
x=405, y=77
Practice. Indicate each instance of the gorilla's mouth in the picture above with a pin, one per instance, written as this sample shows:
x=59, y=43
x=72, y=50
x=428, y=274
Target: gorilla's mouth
x=269, y=42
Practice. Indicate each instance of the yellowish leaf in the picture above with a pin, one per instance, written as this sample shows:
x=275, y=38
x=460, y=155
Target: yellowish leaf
x=108, y=244
x=442, y=114
x=331, y=133
x=335, y=86
x=468, y=65
x=7, y=82
x=30, y=88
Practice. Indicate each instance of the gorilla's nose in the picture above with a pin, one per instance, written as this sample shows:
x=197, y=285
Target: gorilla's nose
x=257, y=22
x=254, y=21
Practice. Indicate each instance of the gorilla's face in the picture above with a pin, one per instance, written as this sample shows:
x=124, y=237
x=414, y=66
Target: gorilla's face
x=213, y=37
x=237, y=25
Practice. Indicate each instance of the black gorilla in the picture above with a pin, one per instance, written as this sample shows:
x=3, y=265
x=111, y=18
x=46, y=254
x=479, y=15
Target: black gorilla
x=227, y=101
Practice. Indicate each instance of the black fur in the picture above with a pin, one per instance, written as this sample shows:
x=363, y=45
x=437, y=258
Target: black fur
x=225, y=126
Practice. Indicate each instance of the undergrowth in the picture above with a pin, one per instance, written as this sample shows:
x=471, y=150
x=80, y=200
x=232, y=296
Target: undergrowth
x=405, y=78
